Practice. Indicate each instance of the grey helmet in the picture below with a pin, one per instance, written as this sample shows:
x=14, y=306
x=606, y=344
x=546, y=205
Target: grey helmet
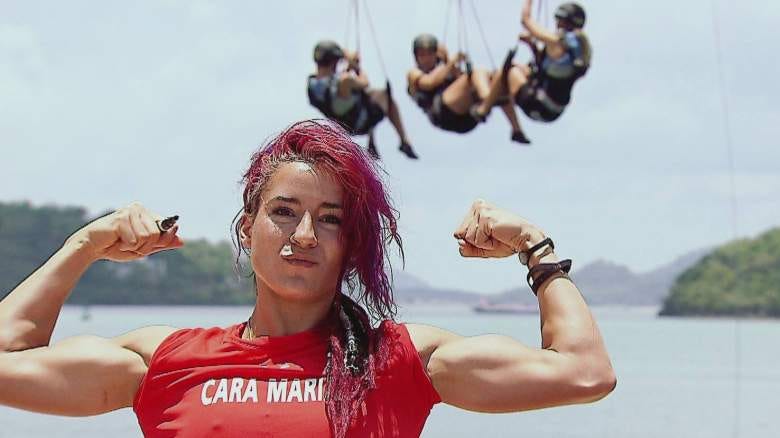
x=425, y=41
x=571, y=13
x=327, y=51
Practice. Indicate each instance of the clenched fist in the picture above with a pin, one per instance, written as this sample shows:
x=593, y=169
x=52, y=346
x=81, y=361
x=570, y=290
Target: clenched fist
x=129, y=233
x=488, y=231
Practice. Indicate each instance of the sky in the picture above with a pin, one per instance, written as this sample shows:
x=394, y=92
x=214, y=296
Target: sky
x=105, y=103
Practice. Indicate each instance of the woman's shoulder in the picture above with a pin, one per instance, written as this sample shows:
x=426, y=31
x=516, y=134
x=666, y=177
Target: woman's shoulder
x=408, y=347
x=153, y=342
x=145, y=340
x=403, y=341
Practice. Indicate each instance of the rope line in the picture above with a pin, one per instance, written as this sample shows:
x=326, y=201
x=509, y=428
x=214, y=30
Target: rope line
x=460, y=27
x=357, y=26
x=725, y=110
x=539, y=16
x=348, y=31
x=376, y=41
x=482, y=34
x=447, y=22
x=724, y=102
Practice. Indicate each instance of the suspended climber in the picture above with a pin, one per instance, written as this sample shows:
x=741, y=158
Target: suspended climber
x=340, y=90
x=542, y=88
x=449, y=95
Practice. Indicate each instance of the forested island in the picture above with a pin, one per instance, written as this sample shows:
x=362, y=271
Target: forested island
x=199, y=273
x=741, y=278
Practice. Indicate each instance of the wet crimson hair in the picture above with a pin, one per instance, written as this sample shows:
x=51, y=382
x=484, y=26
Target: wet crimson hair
x=369, y=225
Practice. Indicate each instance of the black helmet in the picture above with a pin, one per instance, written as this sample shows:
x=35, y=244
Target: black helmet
x=425, y=41
x=327, y=51
x=571, y=13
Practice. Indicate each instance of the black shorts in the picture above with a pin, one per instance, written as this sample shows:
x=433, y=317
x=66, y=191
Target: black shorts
x=537, y=105
x=443, y=117
x=368, y=116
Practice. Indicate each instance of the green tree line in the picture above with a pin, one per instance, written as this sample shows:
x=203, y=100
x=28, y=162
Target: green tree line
x=741, y=278
x=199, y=273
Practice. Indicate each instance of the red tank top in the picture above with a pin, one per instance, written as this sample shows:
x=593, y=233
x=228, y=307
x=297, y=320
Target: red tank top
x=210, y=382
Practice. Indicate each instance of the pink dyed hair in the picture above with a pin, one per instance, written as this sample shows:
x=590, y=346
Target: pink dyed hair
x=370, y=221
x=369, y=225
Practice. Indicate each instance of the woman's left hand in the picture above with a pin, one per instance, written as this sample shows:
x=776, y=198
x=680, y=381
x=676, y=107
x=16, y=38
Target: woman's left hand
x=488, y=231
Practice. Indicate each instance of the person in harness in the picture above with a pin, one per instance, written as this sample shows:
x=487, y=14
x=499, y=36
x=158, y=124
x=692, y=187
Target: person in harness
x=542, y=88
x=339, y=89
x=447, y=94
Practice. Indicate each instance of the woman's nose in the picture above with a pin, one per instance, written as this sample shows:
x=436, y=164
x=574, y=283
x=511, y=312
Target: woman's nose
x=304, y=235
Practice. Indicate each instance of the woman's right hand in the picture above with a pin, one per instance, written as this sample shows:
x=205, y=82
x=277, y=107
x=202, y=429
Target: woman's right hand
x=442, y=53
x=458, y=58
x=127, y=234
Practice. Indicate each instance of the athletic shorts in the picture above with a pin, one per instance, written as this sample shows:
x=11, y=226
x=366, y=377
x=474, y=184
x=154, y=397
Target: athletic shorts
x=537, y=105
x=369, y=116
x=443, y=117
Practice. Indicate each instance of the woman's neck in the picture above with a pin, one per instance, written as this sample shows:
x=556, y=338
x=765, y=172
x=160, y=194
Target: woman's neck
x=274, y=316
x=323, y=71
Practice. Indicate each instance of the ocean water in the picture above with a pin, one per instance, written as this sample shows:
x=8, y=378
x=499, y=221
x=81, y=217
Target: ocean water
x=686, y=377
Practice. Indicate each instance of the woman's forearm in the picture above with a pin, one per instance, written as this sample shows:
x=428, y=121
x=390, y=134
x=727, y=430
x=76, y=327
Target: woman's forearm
x=567, y=323
x=568, y=327
x=431, y=80
x=28, y=314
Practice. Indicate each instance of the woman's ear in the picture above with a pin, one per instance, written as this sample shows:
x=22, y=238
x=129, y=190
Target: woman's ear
x=245, y=230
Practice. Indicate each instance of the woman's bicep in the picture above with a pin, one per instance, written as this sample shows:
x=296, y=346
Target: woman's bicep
x=493, y=373
x=79, y=376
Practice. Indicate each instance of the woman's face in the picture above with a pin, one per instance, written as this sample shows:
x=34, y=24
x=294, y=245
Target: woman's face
x=563, y=24
x=426, y=59
x=297, y=250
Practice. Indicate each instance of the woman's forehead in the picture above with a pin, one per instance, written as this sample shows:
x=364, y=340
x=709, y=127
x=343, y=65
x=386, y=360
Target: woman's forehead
x=303, y=181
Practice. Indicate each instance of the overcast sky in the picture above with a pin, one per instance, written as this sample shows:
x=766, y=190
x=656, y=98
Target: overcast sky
x=103, y=103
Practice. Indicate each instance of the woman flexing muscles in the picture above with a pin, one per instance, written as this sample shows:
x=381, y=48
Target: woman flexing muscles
x=315, y=224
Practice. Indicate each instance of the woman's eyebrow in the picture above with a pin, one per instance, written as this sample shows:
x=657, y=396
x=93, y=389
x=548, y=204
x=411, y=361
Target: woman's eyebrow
x=287, y=199
x=296, y=201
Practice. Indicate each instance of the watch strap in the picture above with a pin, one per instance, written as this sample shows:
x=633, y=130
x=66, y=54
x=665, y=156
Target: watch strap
x=542, y=272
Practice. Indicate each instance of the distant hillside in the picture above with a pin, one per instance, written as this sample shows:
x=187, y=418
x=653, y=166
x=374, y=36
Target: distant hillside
x=202, y=272
x=739, y=278
x=408, y=289
x=607, y=283
x=601, y=282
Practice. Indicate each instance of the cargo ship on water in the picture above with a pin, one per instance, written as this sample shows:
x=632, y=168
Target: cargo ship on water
x=486, y=306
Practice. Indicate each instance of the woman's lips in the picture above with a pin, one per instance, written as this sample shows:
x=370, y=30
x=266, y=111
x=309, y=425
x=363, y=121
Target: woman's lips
x=301, y=263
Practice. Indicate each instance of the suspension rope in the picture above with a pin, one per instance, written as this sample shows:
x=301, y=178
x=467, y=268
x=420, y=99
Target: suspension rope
x=482, y=34
x=724, y=103
x=547, y=18
x=447, y=22
x=539, y=16
x=725, y=111
x=348, y=31
x=357, y=26
x=462, y=35
x=376, y=41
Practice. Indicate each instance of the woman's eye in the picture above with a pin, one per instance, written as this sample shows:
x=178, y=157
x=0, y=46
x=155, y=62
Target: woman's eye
x=283, y=211
x=331, y=219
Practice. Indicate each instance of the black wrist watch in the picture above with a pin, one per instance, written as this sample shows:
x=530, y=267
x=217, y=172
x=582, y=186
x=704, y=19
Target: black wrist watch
x=525, y=256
